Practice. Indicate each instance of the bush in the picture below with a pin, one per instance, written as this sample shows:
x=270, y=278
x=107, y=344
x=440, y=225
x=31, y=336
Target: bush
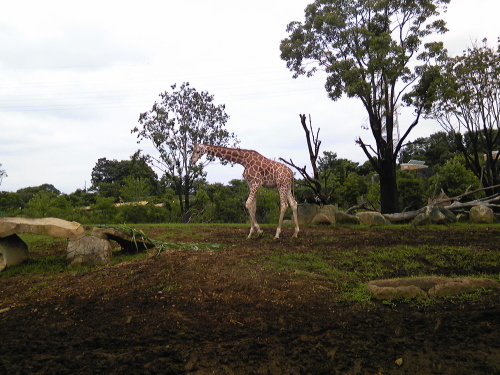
x=454, y=179
x=411, y=190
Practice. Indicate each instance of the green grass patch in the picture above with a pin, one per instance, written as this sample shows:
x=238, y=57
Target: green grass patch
x=352, y=269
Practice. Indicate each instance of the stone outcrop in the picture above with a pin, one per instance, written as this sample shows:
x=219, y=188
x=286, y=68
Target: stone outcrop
x=48, y=226
x=372, y=218
x=13, y=251
x=343, y=218
x=89, y=250
x=321, y=219
x=423, y=287
x=310, y=213
x=127, y=239
x=481, y=214
x=306, y=213
x=434, y=215
x=97, y=248
x=82, y=250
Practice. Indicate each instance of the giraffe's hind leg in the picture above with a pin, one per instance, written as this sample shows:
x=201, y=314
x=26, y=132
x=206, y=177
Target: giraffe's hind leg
x=293, y=204
x=283, y=207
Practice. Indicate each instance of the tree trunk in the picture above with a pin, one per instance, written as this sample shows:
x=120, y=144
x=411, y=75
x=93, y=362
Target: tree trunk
x=185, y=213
x=389, y=194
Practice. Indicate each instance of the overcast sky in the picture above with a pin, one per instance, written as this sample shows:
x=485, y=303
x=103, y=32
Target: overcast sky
x=74, y=77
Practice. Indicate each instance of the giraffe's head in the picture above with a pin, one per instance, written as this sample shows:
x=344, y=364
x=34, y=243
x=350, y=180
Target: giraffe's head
x=198, y=152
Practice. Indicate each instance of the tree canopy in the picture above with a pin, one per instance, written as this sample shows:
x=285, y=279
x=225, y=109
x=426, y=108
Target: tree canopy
x=180, y=119
x=110, y=176
x=367, y=48
x=468, y=108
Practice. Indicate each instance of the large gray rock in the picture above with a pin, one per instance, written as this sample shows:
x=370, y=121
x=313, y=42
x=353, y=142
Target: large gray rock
x=129, y=240
x=89, y=250
x=427, y=286
x=372, y=218
x=49, y=226
x=329, y=210
x=310, y=213
x=481, y=214
x=343, y=218
x=321, y=219
x=306, y=213
x=434, y=215
x=13, y=251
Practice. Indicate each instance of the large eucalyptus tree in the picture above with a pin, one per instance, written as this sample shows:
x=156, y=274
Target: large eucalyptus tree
x=370, y=50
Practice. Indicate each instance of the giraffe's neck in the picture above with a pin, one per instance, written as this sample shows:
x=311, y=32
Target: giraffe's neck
x=234, y=155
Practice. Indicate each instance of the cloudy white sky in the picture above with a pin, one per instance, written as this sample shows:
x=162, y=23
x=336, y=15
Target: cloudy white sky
x=74, y=77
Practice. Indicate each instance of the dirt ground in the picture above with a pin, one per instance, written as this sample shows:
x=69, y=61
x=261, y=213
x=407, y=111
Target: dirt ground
x=219, y=310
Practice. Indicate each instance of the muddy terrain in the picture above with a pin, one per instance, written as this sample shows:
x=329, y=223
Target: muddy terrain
x=223, y=308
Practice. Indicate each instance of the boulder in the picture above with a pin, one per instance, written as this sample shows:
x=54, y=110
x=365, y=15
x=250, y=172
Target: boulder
x=481, y=214
x=321, y=219
x=427, y=286
x=343, y=218
x=13, y=251
x=372, y=218
x=329, y=210
x=89, y=250
x=434, y=215
x=306, y=212
x=49, y=226
x=126, y=238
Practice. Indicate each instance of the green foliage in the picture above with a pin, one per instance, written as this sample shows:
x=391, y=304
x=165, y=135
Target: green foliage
x=434, y=150
x=40, y=204
x=29, y=192
x=454, y=179
x=11, y=203
x=110, y=176
x=353, y=187
x=182, y=118
x=411, y=188
x=135, y=189
x=467, y=107
x=227, y=203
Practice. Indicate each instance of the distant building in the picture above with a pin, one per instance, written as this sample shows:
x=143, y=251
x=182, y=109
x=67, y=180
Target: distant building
x=494, y=154
x=419, y=166
x=413, y=164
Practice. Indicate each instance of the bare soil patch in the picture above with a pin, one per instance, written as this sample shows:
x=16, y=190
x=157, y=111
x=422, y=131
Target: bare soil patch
x=220, y=309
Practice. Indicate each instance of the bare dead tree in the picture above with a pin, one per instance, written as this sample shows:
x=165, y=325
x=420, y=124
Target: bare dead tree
x=313, y=145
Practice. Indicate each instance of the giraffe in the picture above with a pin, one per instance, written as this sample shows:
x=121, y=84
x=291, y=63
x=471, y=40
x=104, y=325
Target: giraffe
x=259, y=171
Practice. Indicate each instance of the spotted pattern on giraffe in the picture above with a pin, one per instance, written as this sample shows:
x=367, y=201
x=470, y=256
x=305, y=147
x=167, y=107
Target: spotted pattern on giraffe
x=259, y=171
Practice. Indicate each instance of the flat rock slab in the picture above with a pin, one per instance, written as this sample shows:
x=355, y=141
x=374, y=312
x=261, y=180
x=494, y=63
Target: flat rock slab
x=427, y=286
x=129, y=240
x=49, y=226
x=13, y=251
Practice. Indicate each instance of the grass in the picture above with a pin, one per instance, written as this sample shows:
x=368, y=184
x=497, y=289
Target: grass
x=347, y=270
x=352, y=269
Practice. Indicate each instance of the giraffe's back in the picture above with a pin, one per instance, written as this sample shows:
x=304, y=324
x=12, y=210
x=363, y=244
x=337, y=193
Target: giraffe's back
x=268, y=172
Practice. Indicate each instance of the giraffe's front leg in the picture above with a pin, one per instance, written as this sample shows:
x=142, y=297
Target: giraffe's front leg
x=251, y=206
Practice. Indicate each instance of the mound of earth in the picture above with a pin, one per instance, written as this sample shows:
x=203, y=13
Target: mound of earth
x=219, y=310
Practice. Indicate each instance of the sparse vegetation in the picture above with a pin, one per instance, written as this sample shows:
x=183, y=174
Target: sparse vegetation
x=228, y=299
